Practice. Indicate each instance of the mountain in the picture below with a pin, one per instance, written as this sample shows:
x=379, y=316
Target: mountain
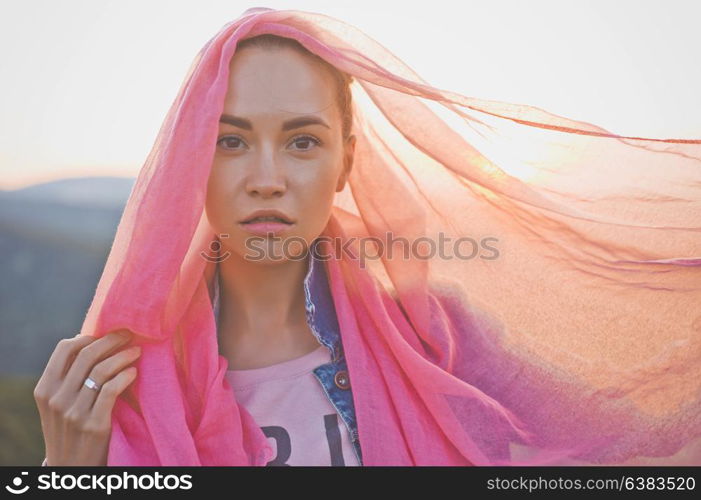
x=93, y=192
x=54, y=238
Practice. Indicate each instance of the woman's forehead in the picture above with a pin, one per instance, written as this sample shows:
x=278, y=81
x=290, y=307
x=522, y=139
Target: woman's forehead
x=277, y=81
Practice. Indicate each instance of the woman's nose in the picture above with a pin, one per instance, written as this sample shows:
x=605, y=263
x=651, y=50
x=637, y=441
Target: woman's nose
x=267, y=179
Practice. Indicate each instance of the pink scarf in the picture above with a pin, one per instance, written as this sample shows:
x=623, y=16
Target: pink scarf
x=564, y=327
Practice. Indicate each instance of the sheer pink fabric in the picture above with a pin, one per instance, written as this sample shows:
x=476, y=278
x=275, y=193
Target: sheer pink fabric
x=573, y=335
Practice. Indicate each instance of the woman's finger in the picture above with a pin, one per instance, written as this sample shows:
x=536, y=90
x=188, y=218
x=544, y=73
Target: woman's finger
x=101, y=413
x=59, y=363
x=101, y=373
x=89, y=356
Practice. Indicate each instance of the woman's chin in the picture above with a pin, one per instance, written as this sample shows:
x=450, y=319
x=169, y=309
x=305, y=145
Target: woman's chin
x=271, y=250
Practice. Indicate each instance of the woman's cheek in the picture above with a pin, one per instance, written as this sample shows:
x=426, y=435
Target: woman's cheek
x=217, y=213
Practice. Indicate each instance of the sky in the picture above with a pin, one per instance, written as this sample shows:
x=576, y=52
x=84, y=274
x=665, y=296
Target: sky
x=86, y=84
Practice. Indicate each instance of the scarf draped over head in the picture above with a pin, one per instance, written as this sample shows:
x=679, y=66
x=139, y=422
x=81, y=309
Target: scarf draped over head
x=547, y=313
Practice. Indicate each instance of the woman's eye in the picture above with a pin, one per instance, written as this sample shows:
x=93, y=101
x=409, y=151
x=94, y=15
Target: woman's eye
x=305, y=142
x=301, y=143
x=230, y=142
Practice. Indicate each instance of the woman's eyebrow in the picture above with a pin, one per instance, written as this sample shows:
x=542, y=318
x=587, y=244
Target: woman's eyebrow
x=298, y=122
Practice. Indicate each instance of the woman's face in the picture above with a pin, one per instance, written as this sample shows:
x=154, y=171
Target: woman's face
x=279, y=147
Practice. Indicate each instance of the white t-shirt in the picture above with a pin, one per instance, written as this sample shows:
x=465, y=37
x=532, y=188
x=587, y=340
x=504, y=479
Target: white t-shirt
x=288, y=402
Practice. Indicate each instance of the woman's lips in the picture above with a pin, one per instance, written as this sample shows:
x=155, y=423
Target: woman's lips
x=264, y=228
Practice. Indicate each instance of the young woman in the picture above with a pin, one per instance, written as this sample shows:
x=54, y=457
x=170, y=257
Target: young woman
x=506, y=319
x=284, y=150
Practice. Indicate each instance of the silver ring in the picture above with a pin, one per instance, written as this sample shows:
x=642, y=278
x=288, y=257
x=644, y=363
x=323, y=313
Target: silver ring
x=91, y=384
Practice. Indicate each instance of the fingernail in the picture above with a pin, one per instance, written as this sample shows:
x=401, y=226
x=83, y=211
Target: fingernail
x=125, y=333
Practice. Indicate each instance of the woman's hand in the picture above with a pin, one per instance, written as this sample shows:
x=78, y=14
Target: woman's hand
x=76, y=420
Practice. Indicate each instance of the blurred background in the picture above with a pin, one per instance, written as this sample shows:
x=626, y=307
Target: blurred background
x=86, y=85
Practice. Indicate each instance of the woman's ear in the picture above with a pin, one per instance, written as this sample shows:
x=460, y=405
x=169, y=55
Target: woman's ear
x=348, y=153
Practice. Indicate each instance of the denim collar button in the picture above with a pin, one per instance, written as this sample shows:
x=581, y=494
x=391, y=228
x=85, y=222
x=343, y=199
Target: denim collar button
x=341, y=379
